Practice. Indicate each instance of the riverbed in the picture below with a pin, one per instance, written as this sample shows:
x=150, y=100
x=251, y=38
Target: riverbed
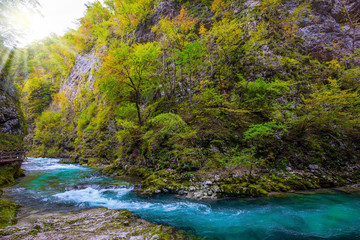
x=53, y=187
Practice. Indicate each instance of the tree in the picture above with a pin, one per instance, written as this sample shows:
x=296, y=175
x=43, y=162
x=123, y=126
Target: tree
x=177, y=35
x=190, y=59
x=127, y=74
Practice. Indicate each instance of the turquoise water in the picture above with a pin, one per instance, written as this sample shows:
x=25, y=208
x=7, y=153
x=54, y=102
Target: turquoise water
x=50, y=186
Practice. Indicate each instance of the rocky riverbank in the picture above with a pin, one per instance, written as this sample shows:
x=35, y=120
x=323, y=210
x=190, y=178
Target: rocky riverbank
x=8, y=210
x=223, y=183
x=99, y=223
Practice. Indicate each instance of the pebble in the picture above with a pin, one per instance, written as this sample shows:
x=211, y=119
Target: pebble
x=208, y=183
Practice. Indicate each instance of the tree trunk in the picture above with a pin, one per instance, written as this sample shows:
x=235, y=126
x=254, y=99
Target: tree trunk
x=138, y=107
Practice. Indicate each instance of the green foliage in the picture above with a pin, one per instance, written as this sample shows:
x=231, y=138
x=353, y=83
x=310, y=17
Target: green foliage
x=86, y=116
x=38, y=96
x=261, y=131
x=168, y=124
x=7, y=213
x=48, y=132
x=260, y=95
x=130, y=70
x=10, y=142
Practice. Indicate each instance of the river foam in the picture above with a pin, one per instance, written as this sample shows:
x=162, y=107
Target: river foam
x=118, y=198
x=47, y=164
x=95, y=197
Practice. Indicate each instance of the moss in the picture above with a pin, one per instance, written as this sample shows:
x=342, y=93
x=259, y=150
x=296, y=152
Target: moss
x=246, y=190
x=154, y=183
x=7, y=213
x=9, y=172
x=68, y=161
x=257, y=190
x=139, y=171
x=11, y=142
x=93, y=162
x=299, y=184
x=8, y=210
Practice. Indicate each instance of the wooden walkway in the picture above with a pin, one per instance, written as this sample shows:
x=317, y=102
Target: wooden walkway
x=11, y=156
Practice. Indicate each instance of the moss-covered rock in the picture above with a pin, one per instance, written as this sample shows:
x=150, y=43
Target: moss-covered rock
x=9, y=172
x=7, y=213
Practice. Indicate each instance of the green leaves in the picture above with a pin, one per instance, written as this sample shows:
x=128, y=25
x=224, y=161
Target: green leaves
x=129, y=73
x=260, y=94
x=264, y=130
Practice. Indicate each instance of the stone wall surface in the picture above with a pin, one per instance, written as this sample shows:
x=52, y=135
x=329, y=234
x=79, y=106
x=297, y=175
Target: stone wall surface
x=10, y=116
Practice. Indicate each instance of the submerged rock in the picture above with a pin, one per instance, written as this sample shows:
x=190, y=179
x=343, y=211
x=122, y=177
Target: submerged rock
x=349, y=189
x=99, y=223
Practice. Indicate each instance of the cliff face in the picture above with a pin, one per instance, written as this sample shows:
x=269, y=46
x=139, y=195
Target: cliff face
x=12, y=126
x=332, y=29
x=81, y=75
x=11, y=121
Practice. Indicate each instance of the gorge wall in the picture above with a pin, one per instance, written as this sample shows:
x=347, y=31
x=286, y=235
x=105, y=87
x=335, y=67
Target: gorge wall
x=188, y=85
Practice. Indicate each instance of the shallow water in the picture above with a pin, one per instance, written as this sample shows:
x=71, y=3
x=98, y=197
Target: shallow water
x=53, y=187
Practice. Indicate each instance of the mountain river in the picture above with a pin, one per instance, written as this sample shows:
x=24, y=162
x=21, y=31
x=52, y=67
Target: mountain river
x=53, y=187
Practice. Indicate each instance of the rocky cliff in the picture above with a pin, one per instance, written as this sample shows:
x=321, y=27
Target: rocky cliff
x=332, y=29
x=81, y=75
x=12, y=124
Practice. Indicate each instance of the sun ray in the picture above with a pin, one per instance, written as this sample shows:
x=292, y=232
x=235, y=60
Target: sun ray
x=19, y=67
x=5, y=54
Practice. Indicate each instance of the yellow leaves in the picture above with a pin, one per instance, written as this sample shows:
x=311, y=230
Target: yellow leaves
x=203, y=84
x=331, y=99
x=269, y=5
x=61, y=99
x=228, y=33
x=133, y=20
x=128, y=14
x=202, y=30
x=334, y=65
x=217, y=6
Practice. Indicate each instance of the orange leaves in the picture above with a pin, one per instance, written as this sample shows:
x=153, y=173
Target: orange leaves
x=184, y=21
x=114, y=62
x=177, y=31
x=133, y=20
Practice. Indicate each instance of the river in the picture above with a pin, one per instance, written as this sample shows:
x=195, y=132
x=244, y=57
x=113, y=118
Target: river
x=53, y=187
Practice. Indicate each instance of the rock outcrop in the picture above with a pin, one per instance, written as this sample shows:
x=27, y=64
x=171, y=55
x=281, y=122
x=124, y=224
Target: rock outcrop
x=81, y=74
x=99, y=223
x=11, y=121
x=332, y=30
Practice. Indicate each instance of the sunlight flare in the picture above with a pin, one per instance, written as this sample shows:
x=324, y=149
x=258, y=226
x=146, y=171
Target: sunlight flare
x=52, y=16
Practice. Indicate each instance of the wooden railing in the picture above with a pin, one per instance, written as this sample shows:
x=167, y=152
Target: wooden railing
x=11, y=156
